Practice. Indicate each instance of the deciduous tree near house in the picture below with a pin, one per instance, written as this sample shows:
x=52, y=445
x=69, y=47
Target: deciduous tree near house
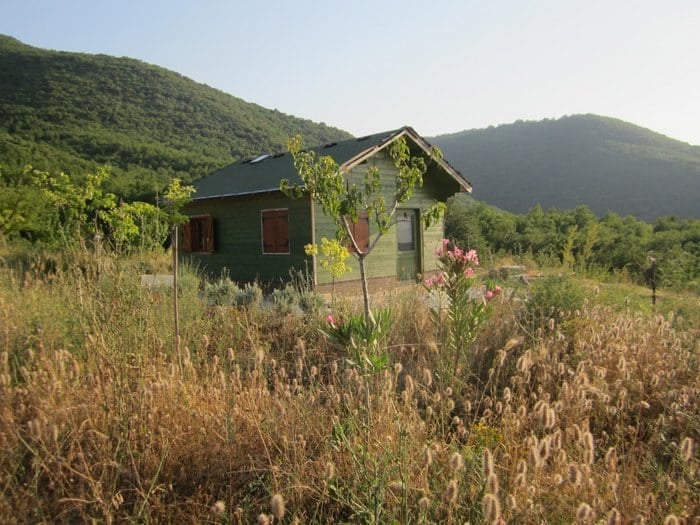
x=344, y=200
x=175, y=197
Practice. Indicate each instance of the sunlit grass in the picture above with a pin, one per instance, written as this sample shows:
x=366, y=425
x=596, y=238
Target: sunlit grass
x=585, y=416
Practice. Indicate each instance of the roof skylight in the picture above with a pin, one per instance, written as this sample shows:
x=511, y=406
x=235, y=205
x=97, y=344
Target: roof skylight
x=260, y=158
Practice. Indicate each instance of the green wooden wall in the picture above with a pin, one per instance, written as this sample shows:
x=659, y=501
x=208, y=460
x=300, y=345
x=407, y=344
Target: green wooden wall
x=437, y=185
x=238, y=237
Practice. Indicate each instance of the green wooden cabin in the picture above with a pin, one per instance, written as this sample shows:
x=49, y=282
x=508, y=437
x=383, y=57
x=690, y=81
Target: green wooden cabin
x=240, y=222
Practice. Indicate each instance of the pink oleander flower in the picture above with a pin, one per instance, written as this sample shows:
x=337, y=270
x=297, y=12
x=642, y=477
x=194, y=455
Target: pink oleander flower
x=489, y=294
x=469, y=272
x=330, y=320
x=442, y=249
x=472, y=257
x=435, y=280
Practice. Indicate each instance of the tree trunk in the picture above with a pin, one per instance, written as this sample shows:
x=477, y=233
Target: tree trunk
x=365, y=290
x=176, y=308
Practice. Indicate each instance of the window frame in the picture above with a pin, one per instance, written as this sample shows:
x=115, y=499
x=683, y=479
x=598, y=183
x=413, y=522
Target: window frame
x=277, y=212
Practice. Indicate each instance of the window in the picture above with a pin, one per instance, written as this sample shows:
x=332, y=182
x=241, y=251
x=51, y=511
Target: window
x=275, y=231
x=198, y=234
x=405, y=231
x=360, y=232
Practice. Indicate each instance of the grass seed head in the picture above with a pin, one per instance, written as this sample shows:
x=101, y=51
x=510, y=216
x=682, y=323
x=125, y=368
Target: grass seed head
x=687, y=448
x=492, y=484
x=487, y=458
x=451, y=492
x=614, y=518
x=427, y=377
x=427, y=456
x=584, y=513
x=491, y=508
x=424, y=503
x=457, y=462
x=535, y=457
x=611, y=459
x=575, y=475
x=277, y=506
x=218, y=508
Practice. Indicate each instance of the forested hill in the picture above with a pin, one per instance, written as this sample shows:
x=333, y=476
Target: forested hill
x=73, y=111
x=604, y=163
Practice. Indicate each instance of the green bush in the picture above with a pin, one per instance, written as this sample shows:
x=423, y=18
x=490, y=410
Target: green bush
x=553, y=297
x=299, y=300
x=249, y=296
x=222, y=292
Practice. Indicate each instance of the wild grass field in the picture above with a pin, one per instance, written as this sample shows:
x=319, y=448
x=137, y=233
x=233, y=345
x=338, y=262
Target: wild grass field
x=575, y=403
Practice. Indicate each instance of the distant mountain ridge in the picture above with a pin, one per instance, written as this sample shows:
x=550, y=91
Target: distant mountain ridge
x=604, y=163
x=73, y=111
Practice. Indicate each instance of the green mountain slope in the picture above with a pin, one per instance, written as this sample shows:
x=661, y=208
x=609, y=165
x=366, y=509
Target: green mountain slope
x=604, y=163
x=73, y=111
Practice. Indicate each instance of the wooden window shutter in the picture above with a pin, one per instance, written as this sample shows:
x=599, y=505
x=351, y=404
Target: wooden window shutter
x=282, y=227
x=187, y=237
x=275, y=231
x=208, y=243
x=268, y=232
x=360, y=232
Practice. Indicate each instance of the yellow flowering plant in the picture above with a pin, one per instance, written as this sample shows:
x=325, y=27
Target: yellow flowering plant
x=333, y=256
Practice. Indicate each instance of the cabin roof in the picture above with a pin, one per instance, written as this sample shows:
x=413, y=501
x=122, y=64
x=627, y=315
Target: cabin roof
x=264, y=172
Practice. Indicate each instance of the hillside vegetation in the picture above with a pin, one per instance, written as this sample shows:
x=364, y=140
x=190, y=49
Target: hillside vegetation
x=665, y=253
x=603, y=163
x=73, y=112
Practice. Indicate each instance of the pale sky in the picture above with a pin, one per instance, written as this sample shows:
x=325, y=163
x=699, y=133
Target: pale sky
x=440, y=66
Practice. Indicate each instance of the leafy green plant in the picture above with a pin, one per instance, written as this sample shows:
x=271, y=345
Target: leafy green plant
x=362, y=338
x=332, y=260
x=283, y=300
x=221, y=292
x=298, y=295
x=249, y=296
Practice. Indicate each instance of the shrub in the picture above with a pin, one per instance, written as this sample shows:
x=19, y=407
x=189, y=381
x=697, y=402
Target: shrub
x=250, y=295
x=553, y=297
x=222, y=292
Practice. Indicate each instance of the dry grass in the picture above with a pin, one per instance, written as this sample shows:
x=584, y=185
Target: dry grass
x=594, y=419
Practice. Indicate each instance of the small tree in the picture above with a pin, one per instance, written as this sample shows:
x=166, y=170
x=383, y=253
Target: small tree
x=21, y=203
x=176, y=196
x=343, y=200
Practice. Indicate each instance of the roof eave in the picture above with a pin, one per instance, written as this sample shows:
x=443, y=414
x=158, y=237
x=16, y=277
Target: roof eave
x=420, y=142
x=239, y=194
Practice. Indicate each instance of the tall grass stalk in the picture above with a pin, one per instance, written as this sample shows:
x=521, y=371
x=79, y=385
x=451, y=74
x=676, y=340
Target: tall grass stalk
x=101, y=420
